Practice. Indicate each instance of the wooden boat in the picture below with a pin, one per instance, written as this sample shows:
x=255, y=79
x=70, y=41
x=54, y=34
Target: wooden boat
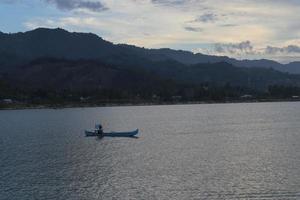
x=94, y=133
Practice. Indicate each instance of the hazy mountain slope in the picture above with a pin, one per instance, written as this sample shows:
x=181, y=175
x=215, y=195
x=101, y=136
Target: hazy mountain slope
x=62, y=74
x=57, y=59
x=293, y=67
x=190, y=58
x=55, y=43
x=21, y=47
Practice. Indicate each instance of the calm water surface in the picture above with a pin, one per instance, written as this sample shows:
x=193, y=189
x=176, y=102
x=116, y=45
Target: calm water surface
x=217, y=151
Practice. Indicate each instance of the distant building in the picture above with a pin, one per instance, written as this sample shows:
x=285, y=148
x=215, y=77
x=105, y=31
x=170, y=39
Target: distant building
x=155, y=97
x=247, y=96
x=84, y=99
x=7, y=101
x=176, y=98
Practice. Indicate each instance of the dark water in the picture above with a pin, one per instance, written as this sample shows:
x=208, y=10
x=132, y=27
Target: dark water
x=222, y=151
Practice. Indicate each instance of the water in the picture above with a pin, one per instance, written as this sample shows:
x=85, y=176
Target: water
x=217, y=151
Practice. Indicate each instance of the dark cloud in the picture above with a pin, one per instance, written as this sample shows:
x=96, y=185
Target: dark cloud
x=235, y=48
x=246, y=48
x=193, y=29
x=95, y=6
x=169, y=2
x=206, y=18
x=282, y=50
x=229, y=25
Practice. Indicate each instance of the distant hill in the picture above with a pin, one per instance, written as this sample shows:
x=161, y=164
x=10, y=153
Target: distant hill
x=56, y=43
x=57, y=59
x=63, y=74
x=18, y=48
x=293, y=68
x=189, y=58
x=89, y=75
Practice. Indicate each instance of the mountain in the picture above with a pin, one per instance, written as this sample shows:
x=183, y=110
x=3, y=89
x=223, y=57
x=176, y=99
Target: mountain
x=90, y=75
x=293, y=67
x=19, y=48
x=55, y=59
x=83, y=75
x=189, y=58
x=56, y=43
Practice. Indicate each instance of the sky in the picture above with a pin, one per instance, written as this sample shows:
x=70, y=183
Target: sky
x=243, y=29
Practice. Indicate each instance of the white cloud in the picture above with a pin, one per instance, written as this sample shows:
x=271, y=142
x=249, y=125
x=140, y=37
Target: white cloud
x=78, y=4
x=164, y=23
x=235, y=48
x=246, y=50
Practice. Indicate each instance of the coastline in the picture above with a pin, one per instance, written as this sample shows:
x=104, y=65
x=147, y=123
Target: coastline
x=91, y=105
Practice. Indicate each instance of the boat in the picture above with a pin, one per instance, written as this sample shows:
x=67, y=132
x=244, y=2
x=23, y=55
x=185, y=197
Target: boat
x=94, y=133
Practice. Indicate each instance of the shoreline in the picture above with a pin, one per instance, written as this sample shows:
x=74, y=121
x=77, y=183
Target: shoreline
x=91, y=105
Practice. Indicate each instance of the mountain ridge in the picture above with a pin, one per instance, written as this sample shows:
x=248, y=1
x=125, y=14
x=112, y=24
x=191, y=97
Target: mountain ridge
x=44, y=42
x=85, y=60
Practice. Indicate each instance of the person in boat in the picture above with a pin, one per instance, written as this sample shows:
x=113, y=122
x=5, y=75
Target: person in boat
x=100, y=130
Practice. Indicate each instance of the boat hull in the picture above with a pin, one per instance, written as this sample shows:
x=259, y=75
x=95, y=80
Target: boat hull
x=112, y=134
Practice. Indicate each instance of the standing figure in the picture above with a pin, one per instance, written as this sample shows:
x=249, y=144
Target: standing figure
x=100, y=130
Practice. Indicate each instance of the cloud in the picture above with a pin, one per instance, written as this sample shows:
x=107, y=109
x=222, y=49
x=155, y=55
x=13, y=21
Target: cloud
x=234, y=48
x=169, y=2
x=246, y=50
x=94, y=6
x=290, y=49
x=178, y=4
x=228, y=25
x=209, y=17
x=222, y=27
x=193, y=29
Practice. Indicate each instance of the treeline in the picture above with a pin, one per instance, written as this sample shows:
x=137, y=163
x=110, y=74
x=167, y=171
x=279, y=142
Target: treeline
x=167, y=92
x=279, y=91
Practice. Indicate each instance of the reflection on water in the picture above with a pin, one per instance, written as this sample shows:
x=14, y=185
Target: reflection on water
x=217, y=151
